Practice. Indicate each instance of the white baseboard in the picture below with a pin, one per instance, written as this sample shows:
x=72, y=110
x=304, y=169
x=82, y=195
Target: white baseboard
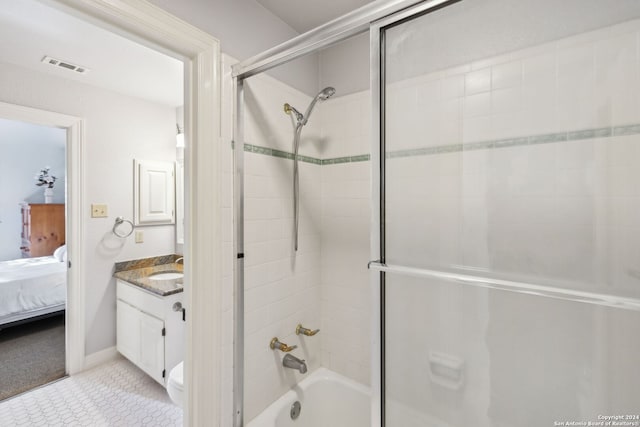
x=99, y=357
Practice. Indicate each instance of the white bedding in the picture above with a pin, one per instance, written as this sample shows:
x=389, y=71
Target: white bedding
x=31, y=286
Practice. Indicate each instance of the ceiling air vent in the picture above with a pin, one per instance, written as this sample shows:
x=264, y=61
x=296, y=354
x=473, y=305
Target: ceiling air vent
x=64, y=64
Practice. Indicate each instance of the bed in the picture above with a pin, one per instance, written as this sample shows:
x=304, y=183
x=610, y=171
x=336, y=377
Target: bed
x=31, y=287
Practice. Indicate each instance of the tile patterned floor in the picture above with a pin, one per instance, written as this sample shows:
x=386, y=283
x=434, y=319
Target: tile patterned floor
x=114, y=394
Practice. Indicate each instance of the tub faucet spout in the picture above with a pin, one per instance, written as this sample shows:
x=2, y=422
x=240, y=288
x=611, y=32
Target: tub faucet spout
x=290, y=361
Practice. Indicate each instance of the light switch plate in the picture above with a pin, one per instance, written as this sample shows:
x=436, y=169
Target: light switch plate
x=139, y=236
x=98, y=210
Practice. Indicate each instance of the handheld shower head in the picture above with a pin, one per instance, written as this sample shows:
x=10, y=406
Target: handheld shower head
x=326, y=93
x=301, y=119
x=323, y=95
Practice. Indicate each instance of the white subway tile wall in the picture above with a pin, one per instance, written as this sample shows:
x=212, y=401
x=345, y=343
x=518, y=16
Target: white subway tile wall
x=587, y=81
x=545, y=186
x=324, y=285
x=345, y=278
x=266, y=123
x=559, y=130
x=540, y=186
x=282, y=287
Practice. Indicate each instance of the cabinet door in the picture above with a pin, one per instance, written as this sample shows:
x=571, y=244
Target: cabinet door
x=154, y=192
x=152, y=346
x=128, y=331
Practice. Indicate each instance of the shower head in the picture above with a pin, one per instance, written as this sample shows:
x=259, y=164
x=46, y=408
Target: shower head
x=301, y=119
x=326, y=93
x=323, y=95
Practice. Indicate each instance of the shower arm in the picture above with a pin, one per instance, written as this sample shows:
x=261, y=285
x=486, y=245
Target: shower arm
x=288, y=109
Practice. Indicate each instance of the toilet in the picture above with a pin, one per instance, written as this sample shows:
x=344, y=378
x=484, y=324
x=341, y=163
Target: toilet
x=175, y=384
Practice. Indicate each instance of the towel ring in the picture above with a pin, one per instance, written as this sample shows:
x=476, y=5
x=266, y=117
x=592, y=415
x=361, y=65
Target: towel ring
x=119, y=221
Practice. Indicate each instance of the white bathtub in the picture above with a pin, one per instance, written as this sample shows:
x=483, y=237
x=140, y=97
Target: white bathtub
x=327, y=400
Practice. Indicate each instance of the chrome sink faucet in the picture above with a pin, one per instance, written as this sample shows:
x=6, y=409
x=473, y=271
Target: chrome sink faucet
x=292, y=362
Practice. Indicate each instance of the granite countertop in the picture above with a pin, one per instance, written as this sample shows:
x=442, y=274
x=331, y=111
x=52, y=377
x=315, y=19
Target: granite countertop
x=138, y=274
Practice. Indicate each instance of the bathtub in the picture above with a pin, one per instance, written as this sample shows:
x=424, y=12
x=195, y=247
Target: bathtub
x=326, y=399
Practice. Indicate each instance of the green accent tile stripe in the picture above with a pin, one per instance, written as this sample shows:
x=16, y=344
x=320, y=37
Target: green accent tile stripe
x=576, y=135
x=482, y=145
x=308, y=159
x=584, y=134
x=547, y=138
x=336, y=161
x=360, y=158
x=589, y=133
x=282, y=154
x=256, y=149
x=626, y=130
x=347, y=159
x=511, y=142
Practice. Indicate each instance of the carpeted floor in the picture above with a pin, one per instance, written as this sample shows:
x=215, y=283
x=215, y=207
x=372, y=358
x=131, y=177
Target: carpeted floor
x=31, y=354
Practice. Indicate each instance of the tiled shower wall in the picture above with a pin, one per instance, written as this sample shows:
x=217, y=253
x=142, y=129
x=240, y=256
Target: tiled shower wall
x=346, y=207
x=545, y=130
x=585, y=82
x=523, y=163
x=325, y=283
x=521, y=166
x=282, y=288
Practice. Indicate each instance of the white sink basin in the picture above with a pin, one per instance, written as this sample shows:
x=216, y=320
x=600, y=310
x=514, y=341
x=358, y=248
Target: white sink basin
x=166, y=276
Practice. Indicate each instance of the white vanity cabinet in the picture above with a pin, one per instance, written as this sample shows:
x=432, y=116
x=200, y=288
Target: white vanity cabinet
x=150, y=329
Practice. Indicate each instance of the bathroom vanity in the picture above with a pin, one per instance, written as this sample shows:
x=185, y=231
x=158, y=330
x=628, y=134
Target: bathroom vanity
x=150, y=318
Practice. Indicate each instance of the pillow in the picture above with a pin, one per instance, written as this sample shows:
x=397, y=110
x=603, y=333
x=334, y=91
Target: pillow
x=61, y=253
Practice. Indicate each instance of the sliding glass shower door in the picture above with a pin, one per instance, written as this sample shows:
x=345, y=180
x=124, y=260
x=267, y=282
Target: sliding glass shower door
x=510, y=213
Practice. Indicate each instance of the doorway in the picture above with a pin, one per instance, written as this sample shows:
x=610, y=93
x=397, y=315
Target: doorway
x=200, y=54
x=33, y=260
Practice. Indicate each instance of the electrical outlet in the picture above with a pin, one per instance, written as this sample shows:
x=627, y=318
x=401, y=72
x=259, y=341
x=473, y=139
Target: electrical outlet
x=139, y=236
x=98, y=211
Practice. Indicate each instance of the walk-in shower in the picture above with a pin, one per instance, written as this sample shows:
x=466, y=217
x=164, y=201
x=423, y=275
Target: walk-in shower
x=470, y=224
x=299, y=121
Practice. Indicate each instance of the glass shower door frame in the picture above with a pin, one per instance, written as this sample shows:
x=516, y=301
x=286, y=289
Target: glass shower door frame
x=378, y=266
x=371, y=17
x=378, y=159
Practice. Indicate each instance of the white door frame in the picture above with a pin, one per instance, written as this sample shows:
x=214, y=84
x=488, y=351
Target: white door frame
x=74, y=322
x=139, y=21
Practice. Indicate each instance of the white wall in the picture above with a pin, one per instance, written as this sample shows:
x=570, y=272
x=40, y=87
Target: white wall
x=118, y=129
x=245, y=28
x=226, y=213
x=346, y=65
x=26, y=149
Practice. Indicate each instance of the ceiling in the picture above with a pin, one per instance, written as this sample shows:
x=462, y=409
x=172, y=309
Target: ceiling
x=303, y=15
x=29, y=30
